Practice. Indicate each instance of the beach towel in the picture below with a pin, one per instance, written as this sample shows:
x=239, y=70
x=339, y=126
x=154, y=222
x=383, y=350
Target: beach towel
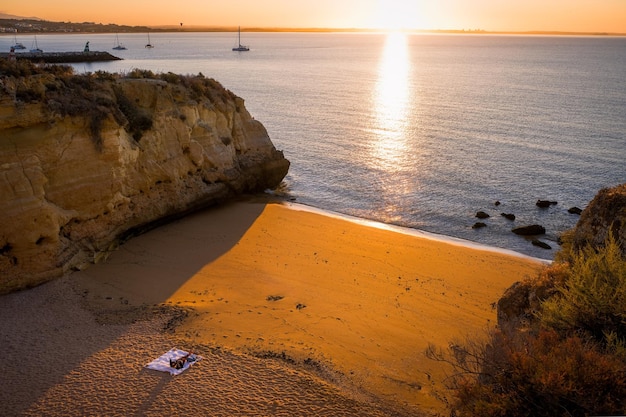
x=162, y=363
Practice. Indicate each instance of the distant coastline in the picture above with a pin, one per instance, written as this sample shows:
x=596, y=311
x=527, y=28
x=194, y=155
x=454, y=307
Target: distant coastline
x=34, y=25
x=375, y=30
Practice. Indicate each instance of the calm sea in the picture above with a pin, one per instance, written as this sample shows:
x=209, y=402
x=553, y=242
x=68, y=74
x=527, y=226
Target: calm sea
x=418, y=130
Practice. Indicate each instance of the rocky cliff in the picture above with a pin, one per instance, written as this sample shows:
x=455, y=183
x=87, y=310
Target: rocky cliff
x=87, y=160
x=605, y=216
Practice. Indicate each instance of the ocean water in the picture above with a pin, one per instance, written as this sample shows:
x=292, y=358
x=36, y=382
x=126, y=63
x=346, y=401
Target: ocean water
x=418, y=130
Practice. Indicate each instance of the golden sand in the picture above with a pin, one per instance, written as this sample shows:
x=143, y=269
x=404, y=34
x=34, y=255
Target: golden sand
x=362, y=302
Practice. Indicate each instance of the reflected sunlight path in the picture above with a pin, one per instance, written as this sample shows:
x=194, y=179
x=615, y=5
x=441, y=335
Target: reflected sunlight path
x=391, y=103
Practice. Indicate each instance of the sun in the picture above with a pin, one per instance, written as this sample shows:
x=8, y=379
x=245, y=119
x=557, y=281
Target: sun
x=400, y=15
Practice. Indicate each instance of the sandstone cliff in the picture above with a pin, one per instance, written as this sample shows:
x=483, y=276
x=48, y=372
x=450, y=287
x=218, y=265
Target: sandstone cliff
x=606, y=214
x=86, y=160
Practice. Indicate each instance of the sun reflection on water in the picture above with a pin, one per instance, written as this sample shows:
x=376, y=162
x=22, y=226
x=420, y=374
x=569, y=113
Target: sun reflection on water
x=390, y=156
x=391, y=103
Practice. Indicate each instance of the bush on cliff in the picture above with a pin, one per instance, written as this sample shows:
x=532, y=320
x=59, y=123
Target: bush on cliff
x=25, y=68
x=567, y=360
x=535, y=373
x=85, y=95
x=139, y=120
x=593, y=298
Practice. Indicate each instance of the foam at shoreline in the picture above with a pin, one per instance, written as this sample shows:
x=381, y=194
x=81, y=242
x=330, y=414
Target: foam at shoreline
x=413, y=232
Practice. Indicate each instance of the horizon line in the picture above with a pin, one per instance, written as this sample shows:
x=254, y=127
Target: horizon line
x=233, y=28
x=202, y=28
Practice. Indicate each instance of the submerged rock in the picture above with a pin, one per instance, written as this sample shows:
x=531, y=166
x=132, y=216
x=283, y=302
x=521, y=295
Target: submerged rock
x=545, y=203
x=532, y=230
x=540, y=244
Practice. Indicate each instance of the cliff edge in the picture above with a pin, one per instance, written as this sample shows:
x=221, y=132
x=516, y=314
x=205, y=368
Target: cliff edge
x=87, y=160
x=605, y=216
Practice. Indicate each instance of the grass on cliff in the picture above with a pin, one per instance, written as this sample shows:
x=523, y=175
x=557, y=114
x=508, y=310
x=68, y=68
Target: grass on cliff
x=96, y=97
x=568, y=360
x=199, y=86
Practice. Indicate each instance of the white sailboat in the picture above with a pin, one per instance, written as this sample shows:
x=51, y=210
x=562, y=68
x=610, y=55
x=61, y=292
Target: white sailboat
x=35, y=48
x=149, y=44
x=118, y=46
x=240, y=48
x=17, y=45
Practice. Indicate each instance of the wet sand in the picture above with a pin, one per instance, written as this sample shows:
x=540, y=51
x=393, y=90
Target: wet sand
x=295, y=313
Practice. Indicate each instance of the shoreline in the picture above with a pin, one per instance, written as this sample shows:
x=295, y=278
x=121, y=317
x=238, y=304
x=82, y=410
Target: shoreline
x=305, y=308
x=415, y=232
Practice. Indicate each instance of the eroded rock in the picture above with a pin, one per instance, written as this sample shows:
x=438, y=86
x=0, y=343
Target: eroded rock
x=605, y=215
x=75, y=180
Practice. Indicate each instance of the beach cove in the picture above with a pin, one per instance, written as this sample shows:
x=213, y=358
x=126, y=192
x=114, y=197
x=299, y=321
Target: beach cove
x=295, y=312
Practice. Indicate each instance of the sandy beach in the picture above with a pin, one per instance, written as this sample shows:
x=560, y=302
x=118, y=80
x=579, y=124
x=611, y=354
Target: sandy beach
x=295, y=313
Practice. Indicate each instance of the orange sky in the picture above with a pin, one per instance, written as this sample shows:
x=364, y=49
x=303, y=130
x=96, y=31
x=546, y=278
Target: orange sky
x=491, y=15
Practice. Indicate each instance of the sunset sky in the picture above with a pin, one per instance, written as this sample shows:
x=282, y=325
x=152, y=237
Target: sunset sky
x=491, y=15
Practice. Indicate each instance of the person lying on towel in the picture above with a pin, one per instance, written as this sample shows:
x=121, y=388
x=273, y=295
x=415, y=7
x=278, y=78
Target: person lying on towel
x=180, y=362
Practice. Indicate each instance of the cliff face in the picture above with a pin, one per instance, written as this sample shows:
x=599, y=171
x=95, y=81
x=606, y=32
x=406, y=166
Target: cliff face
x=86, y=160
x=604, y=216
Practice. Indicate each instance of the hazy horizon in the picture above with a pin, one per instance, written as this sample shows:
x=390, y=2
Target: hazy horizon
x=578, y=16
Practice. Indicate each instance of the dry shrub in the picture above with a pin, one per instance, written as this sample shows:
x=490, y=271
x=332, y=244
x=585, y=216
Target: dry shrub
x=535, y=374
x=26, y=68
x=201, y=87
x=571, y=361
x=139, y=120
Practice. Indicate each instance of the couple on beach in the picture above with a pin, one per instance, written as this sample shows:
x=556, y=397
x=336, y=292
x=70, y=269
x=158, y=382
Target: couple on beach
x=181, y=362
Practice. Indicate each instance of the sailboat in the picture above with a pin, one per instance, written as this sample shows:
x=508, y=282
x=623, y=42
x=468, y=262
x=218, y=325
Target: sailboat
x=149, y=45
x=17, y=44
x=35, y=49
x=240, y=48
x=118, y=46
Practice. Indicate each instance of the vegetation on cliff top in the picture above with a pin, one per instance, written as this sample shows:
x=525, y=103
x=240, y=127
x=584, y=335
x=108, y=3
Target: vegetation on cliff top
x=96, y=96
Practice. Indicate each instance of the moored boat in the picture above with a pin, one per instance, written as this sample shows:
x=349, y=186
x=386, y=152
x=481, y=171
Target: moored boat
x=240, y=48
x=118, y=46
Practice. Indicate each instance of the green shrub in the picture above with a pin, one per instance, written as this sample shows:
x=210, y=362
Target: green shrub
x=593, y=298
x=570, y=361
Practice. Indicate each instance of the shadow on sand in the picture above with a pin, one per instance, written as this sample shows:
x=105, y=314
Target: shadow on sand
x=47, y=332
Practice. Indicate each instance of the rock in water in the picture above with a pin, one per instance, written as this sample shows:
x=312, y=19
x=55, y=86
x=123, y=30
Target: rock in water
x=532, y=230
x=541, y=244
x=545, y=203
